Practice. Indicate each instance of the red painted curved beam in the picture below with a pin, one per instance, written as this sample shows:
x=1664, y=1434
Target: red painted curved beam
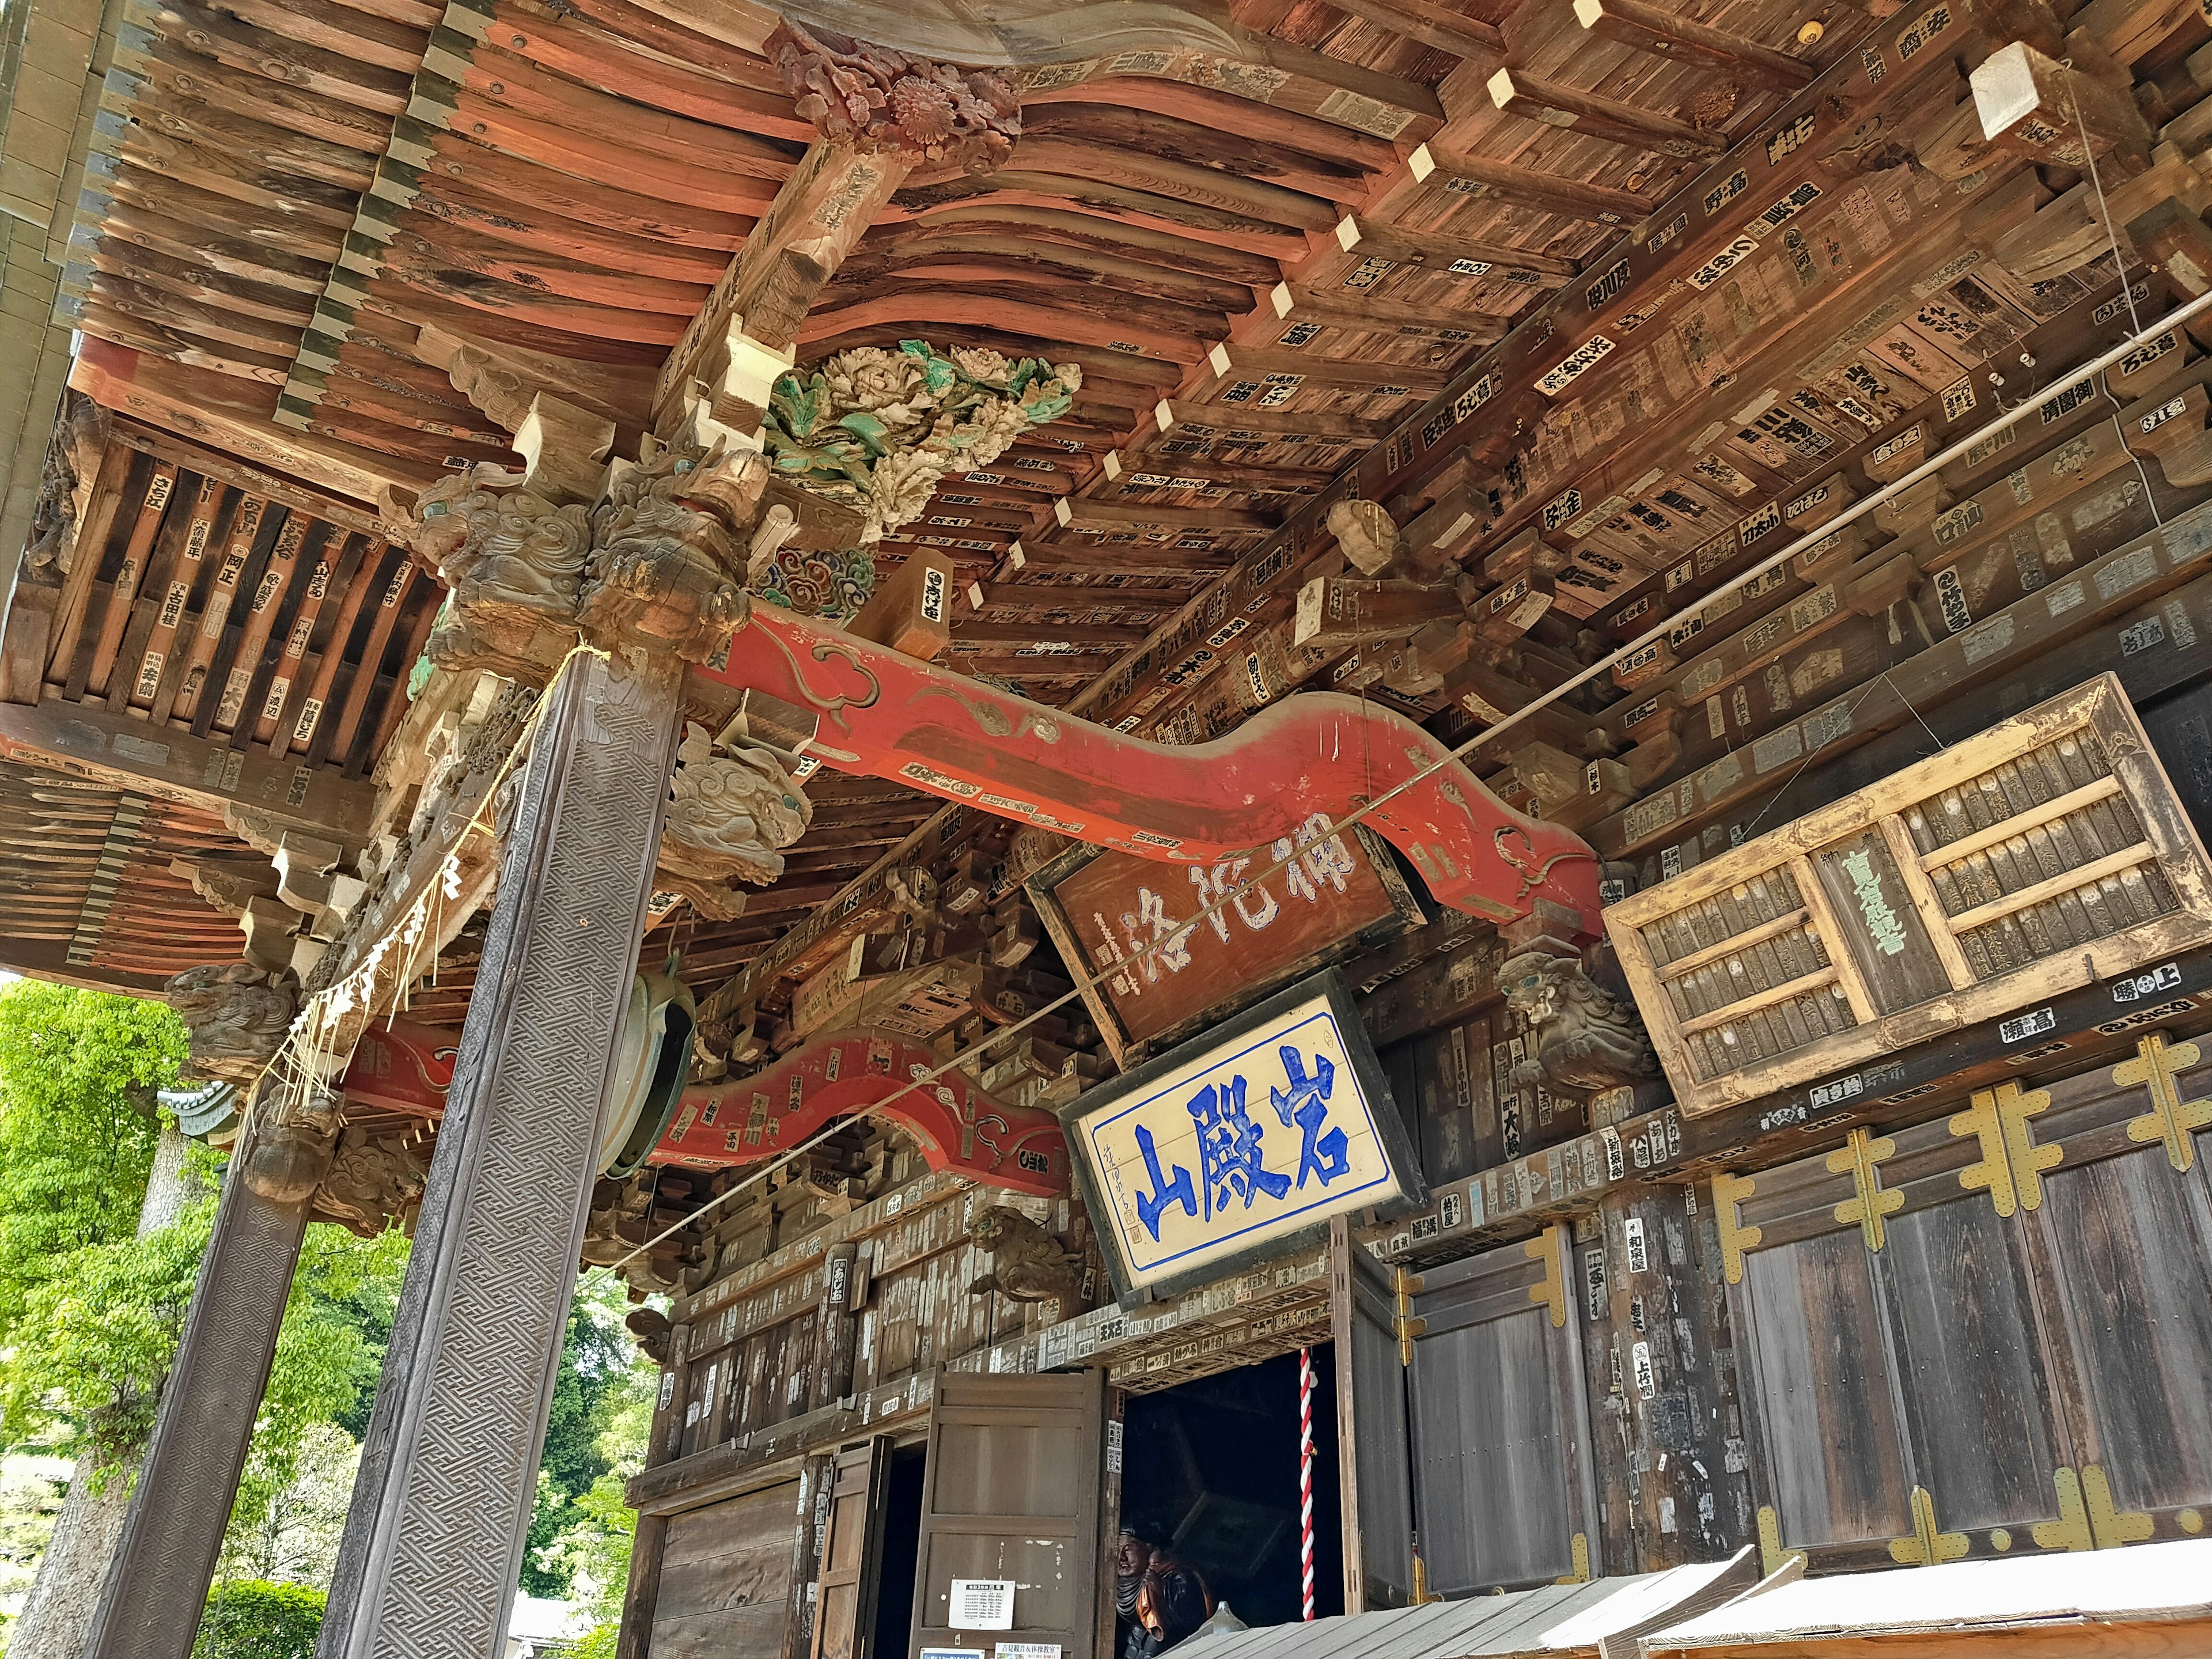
x=882, y=714
x=958, y=1126
x=402, y=1067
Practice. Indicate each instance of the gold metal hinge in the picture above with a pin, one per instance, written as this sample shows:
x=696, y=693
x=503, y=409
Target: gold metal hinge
x=1930, y=1545
x=2158, y=1066
x=2012, y=1164
x=1772, y=1555
x=1549, y=1291
x=1860, y=1157
x=1729, y=1192
x=1406, y=1286
x=1581, y=1575
x=2086, y=1519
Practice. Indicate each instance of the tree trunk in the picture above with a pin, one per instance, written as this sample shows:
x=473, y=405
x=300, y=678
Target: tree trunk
x=56, y=1618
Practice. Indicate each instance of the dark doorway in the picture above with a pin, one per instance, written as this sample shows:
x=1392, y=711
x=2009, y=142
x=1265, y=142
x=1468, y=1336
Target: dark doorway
x=902, y=1547
x=1210, y=1473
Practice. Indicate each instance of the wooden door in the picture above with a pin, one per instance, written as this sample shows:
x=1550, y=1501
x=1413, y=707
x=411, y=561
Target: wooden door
x=1011, y=1493
x=1986, y=1334
x=1370, y=1426
x=725, y=1578
x=1502, y=1488
x=851, y=1548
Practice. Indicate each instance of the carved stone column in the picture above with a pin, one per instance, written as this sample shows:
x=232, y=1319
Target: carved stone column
x=434, y=1542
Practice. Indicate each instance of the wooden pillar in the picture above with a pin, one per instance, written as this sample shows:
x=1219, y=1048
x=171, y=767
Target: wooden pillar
x=1671, y=1469
x=434, y=1541
x=181, y=1504
x=817, y=1481
x=833, y=1367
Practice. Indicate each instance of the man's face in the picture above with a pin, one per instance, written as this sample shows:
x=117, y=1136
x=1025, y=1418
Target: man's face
x=1132, y=1556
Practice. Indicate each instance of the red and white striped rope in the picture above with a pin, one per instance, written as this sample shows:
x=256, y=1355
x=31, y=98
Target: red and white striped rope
x=1305, y=1476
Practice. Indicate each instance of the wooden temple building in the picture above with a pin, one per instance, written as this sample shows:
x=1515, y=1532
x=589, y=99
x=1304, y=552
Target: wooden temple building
x=1029, y=705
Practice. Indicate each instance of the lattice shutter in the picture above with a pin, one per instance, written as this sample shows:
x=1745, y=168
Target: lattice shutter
x=2025, y=862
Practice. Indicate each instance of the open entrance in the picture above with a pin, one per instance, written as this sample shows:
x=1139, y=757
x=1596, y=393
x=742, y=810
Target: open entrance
x=1210, y=1480
x=902, y=1546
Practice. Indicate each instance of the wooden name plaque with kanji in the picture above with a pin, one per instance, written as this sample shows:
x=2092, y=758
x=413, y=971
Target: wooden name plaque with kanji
x=2033, y=858
x=1337, y=894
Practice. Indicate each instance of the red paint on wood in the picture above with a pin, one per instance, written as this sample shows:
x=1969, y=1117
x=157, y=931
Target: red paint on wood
x=888, y=716
x=402, y=1067
x=959, y=1128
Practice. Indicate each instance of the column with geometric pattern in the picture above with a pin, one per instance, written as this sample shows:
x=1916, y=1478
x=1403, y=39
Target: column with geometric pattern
x=434, y=1541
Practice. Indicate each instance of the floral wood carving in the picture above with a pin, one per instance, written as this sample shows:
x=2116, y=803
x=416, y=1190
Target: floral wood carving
x=235, y=1016
x=72, y=454
x=372, y=1181
x=1584, y=1039
x=728, y=817
x=881, y=99
x=879, y=428
x=513, y=562
x=667, y=566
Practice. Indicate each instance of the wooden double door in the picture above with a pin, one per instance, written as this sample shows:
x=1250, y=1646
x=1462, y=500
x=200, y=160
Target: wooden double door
x=1464, y=1425
x=1988, y=1335
x=1013, y=1490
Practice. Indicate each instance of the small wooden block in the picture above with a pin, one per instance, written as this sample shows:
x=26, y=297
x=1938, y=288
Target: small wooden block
x=912, y=612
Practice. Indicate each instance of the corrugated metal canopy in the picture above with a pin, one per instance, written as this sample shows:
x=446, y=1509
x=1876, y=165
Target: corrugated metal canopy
x=1556, y=1619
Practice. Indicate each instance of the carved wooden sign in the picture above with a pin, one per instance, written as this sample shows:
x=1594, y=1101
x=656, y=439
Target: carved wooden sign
x=1232, y=1147
x=1983, y=883
x=1106, y=912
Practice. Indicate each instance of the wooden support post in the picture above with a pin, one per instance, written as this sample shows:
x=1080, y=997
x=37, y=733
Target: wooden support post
x=817, y=1480
x=182, y=1502
x=833, y=1354
x=1662, y=1381
x=434, y=1541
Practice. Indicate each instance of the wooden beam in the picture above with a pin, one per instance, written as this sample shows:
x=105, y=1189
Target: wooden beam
x=1170, y=413
x=822, y=209
x=1076, y=512
x=1292, y=307
x=1558, y=106
x=1446, y=252
x=1433, y=25
x=161, y=761
x=1648, y=28
x=1230, y=363
x=1445, y=168
x=1197, y=471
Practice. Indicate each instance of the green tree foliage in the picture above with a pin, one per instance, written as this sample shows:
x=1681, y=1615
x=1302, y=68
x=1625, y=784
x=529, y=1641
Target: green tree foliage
x=594, y=1440
x=250, y=1619
x=78, y=1072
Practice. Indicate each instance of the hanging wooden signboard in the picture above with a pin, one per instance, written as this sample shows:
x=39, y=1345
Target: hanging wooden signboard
x=1334, y=894
x=1979, y=883
x=1240, y=1144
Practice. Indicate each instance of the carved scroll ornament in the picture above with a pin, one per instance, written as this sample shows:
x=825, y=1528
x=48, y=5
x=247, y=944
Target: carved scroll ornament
x=878, y=99
x=514, y=560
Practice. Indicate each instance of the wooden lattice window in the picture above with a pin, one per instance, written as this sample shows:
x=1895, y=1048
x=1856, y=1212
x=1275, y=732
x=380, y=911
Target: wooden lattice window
x=2028, y=860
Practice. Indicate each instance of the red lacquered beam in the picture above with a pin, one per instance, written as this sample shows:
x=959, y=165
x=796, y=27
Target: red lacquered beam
x=403, y=1069
x=1297, y=766
x=958, y=1126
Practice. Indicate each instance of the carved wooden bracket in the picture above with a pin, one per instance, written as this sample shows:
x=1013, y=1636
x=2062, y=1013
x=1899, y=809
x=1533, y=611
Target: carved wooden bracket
x=879, y=100
x=958, y=1126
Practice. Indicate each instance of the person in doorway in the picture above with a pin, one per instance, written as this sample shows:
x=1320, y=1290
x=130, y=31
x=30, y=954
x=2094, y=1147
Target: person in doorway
x=1159, y=1600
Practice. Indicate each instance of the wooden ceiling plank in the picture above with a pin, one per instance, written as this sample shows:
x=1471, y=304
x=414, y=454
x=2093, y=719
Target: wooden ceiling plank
x=1095, y=512
x=1225, y=113
x=119, y=465
x=504, y=178
x=1231, y=362
x=325, y=549
x=335, y=736
x=214, y=463
x=1020, y=186
x=189, y=245
x=1441, y=165
x=279, y=148
x=340, y=30
x=354, y=575
x=1060, y=225
x=1432, y=24
x=503, y=221
x=158, y=500
x=211, y=34
x=187, y=76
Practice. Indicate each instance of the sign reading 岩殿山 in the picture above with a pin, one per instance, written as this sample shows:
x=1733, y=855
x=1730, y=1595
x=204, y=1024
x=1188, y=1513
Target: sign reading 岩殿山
x=1230, y=1146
